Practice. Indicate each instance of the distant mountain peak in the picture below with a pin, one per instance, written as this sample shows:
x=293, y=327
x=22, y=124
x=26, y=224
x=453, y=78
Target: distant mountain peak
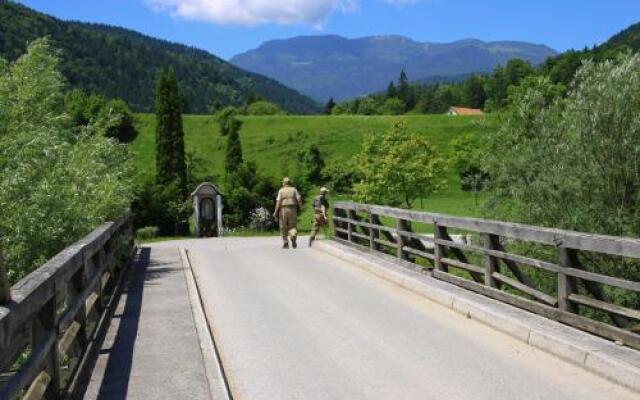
x=326, y=66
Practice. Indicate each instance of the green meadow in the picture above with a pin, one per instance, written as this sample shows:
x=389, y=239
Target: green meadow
x=273, y=142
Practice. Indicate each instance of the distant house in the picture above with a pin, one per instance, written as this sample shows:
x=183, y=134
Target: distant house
x=464, y=111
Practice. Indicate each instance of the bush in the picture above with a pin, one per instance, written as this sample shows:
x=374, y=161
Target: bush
x=261, y=219
x=148, y=232
x=57, y=182
x=159, y=205
x=393, y=106
x=574, y=163
x=341, y=175
x=263, y=107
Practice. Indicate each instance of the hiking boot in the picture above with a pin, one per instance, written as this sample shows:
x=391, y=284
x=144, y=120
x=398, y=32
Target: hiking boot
x=293, y=242
x=285, y=245
x=311, y=242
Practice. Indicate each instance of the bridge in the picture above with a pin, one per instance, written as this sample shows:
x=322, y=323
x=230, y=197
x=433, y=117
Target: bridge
x=400, y=304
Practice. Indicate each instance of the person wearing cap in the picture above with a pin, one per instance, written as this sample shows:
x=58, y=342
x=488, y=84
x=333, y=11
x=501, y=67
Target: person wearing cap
x=288, y=203
x=320, y=207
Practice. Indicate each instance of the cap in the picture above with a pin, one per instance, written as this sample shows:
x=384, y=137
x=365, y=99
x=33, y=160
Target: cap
x=286, y=181
x=324, y=190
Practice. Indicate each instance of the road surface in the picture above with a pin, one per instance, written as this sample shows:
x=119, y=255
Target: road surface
x=301, y=324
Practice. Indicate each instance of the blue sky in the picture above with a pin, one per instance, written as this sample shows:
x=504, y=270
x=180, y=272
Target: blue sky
x=225, y=28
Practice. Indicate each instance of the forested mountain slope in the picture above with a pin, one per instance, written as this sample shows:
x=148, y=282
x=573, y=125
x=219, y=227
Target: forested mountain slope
x=117, y=62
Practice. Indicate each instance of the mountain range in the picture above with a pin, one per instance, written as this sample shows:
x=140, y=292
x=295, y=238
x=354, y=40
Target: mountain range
x=121, y=63
x=333, y=66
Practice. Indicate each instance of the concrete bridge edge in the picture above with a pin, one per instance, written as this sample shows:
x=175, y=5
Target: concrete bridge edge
x=216, y=380
x=604, y=358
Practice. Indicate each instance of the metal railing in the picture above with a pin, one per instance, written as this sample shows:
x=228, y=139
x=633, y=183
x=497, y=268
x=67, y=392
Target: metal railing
x=577, y=297
x=46, y=328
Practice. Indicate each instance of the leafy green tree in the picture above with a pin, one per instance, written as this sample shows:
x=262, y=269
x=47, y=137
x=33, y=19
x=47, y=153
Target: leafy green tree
x=474, y=94
x=340, y=109
x=170, y=159
x=247, y=190
x=398, y=167
x=367, y=106
x=469, y=155
x=263, y=107
x=57, y=183
x=393, y=106
x=341, y=176
x=233, y=155
x=502, y=78
x=574, y=162
x=313, y=163
x=120, y=121
x=328, y=108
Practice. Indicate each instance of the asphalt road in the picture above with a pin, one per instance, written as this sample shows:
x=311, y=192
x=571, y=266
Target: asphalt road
x=300, y=324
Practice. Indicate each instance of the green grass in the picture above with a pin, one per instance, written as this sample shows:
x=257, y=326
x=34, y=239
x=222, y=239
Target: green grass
x=273, y=142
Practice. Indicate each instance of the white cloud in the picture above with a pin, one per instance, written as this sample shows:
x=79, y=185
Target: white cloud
x=255, y=12
x=401, y=2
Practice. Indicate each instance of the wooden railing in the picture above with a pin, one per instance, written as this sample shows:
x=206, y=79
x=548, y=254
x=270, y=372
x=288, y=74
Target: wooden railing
x=47, y=327
x=484, y=265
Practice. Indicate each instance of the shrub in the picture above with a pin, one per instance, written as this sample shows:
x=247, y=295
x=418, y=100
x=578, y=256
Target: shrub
x=393, y=106
x=261, y=219
x=263, y=107
x=148, y=232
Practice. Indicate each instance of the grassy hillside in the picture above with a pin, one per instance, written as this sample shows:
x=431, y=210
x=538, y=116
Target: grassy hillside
x=273, y=141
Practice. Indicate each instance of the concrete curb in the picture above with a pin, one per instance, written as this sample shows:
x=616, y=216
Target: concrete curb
x=618, y=364
x=217, y=383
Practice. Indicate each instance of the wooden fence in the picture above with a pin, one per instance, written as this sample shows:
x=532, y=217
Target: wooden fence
x=47, y=327
x=484, y=265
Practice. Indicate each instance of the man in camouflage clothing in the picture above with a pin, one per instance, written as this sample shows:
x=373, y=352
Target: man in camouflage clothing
x=320, y=207
x=288, y=203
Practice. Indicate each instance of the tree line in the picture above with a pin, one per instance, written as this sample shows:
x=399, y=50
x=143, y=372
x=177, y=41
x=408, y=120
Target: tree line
x=489, y=92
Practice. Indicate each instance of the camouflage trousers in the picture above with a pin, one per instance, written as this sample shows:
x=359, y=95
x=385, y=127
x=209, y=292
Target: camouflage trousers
x=319, y=222
x=288, y=223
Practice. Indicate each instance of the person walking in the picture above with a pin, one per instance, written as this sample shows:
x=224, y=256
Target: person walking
x=288, y=203
x=320, y=207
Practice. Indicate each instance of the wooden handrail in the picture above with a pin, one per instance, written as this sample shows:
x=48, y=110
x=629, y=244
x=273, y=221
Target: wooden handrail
x=46, y=325
x=562, y=305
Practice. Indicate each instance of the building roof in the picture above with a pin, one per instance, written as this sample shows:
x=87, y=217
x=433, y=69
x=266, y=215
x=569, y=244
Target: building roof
x=206, y=188
x=465, y=111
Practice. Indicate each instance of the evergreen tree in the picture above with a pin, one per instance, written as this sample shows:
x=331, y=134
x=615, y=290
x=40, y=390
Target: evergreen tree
x=170, y=159
x=328, y=108
x=391, y=90
x=233, y=159
x=405, y=92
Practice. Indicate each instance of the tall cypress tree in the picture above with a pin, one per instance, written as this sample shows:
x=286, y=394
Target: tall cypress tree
x=233, y=158
x=170, y=158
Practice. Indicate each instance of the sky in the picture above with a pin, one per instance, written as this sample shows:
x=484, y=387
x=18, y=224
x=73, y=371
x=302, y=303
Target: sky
x=229, y=27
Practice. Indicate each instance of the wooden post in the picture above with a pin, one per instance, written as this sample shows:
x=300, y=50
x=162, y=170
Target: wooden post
x=566, y=285
x=43, y=324
x=401, y=226
x=5, y=287
x=350, y=226
x=491, y=242
x=439, y=232
x=372, y=235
